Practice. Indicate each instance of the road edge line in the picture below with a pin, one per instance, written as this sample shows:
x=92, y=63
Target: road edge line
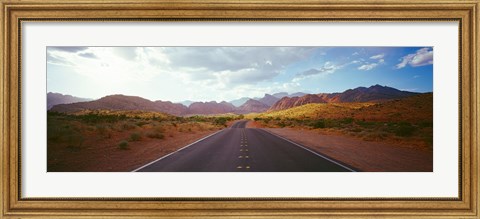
x=312, y=151
x=199, y=140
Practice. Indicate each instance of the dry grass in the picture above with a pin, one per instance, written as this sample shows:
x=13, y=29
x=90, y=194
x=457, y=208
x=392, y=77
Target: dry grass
x=119, y=140
x=406, y=121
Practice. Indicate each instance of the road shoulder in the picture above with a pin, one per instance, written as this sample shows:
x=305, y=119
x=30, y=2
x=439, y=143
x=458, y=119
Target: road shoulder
x=362, y=155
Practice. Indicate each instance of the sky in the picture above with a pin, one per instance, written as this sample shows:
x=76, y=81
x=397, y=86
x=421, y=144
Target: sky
x=227, y=73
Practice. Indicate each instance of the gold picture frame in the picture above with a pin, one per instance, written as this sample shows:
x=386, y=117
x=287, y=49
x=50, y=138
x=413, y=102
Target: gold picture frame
x=14, y=12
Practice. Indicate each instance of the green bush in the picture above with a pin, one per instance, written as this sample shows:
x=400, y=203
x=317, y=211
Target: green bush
x=404, y=130
x=123, y=145
x=347, y=121
x=319, y=124
x=135, y=136
x=155, y=135
x=127, y=126
x=141, y=123
x=365, y=124
x=221, y=121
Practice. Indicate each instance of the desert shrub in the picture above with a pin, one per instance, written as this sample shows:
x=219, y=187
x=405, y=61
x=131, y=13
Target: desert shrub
x=221, y=121
x=365, y=124
x=267, y=120
x=103, y=130
x=404, y=129
x=141, y=123
x=256, y=118
x=318, y=124
x=375, y=135
x=135, y=136
x=356, y=130
x=347, y=120
x=156, y=135
x=74, y=140
x=123, y=145
x=425, y=124
x=98, y=118
x=127, y=126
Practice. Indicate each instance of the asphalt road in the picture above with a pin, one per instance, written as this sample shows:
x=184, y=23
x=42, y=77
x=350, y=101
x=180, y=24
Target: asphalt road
x=243, y=149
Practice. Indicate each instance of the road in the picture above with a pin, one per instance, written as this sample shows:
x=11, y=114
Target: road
x=244, y=149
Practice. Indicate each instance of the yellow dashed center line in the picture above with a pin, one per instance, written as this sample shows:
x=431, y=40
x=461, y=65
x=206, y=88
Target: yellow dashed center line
x=243, y=143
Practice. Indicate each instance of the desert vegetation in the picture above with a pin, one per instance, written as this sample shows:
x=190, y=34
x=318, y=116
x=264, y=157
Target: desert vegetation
x=83, y=140
x=407, y=120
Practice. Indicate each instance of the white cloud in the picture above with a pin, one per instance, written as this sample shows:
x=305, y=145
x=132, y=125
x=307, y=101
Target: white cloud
x=206, y=69
x=379, y=56
x=422, y=57
x=327, y=68
x=367, y=67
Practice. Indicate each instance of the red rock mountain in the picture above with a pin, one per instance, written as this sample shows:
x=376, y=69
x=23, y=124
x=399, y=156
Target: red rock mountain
x=374, y=93
x=253, y=106
x=212, y=107
x=122, y=102
x=56, y=98
x=268, y=100
x=289, y=102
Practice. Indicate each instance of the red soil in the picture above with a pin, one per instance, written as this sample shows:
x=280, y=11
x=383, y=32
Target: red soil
x=104, y=155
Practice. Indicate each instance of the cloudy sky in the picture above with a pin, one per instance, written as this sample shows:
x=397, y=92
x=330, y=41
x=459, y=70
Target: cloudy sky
x=227, y=73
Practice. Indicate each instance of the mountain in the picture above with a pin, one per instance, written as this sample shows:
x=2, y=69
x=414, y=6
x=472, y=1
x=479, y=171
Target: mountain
x=122, y=102
x=239, y=102
x=298, y=94
x=289, y=102
x=376, y=93
x=280, y=95
x=176, y=109
x=212, y=107
x=268, y=100
x=253, y=106
x=414, y=109
x=57, y=98
x=186, y=102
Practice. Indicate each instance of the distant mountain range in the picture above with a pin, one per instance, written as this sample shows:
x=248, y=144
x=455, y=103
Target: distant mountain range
x=267, y=99
x=376, y=93
x=277, y=101
x=56, y=98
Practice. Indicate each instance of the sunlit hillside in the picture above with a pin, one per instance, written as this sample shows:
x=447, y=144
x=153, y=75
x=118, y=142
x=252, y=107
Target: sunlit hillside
x=314, y=110
x=408, y=120
x=411, y=109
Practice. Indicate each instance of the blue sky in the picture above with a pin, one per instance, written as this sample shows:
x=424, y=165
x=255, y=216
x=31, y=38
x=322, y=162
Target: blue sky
x=227, y=73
